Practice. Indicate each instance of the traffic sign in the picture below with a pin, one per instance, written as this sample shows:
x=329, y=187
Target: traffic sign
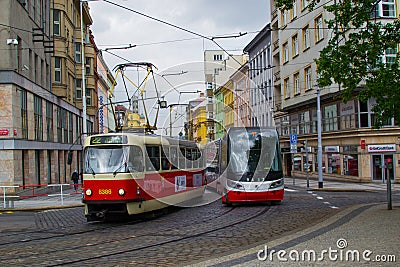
x=293, y=139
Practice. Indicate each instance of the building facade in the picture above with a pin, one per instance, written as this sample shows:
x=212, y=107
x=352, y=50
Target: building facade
x=261, y=77
x=352, y=149
x=218, y=67
x=241, y=90
x=35, y=138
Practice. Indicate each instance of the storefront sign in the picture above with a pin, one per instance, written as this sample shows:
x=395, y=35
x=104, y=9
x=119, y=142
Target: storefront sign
x=4, y=132
x=332, y=149
x=382, y=148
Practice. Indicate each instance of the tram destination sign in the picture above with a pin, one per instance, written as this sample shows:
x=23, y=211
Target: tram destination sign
x=109, y=140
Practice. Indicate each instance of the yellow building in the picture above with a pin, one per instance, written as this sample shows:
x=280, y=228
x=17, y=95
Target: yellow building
x=227, y=92
x=200, y=123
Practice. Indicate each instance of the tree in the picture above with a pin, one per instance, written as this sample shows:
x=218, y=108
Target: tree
x=362, y=54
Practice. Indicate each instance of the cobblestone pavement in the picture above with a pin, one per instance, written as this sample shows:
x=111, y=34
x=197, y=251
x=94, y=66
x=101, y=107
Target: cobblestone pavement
x=185, y=236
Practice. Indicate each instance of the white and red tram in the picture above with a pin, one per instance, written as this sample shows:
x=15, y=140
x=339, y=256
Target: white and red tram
x=248, y=165
x=134, y=173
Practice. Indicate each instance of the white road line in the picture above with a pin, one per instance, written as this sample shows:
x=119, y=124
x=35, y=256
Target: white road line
x=320, y=198
x=290, y=190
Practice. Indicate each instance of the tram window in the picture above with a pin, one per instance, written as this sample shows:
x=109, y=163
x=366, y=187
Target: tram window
x=174, y=157
x=153, y=158
x=165, y=158
x=135, y=162
x=182, y=156
x=189, y=157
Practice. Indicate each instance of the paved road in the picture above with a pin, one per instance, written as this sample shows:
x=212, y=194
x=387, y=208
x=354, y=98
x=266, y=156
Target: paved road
x=192, y=235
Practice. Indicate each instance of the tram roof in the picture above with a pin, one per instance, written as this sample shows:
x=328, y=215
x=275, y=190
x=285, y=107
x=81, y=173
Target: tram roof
x=143, y=139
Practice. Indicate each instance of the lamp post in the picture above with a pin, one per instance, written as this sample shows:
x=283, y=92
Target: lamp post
x=84, y=125
x=170, y=115
x=319, y=125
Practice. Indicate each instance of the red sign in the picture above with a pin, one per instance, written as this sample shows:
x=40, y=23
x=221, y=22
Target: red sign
x=3, y=131
x=362, y=144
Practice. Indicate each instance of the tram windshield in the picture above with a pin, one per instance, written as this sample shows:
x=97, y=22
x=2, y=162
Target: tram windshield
x=106, y=159
x=252, y=154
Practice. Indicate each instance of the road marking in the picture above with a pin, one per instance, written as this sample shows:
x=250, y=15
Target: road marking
x=334, y=207
x=327, y=203
x=290, y=190
x=320, y=198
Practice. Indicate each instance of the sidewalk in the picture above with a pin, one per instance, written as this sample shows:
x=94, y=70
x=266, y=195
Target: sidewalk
x=362, y=235
x=69, y=199
x=329, y=185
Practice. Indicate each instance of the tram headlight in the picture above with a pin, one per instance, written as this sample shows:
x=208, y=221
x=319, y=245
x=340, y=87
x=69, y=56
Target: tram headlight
x=88, y=192
x=276, y=184
x=121, y=192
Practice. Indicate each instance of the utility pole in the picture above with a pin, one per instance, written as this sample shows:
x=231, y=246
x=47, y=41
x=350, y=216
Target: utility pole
x=84, y=125
x=319, y=125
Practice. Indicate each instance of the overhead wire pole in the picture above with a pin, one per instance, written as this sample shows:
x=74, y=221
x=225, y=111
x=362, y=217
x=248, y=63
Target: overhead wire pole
x=84, y=125
x=319, y=126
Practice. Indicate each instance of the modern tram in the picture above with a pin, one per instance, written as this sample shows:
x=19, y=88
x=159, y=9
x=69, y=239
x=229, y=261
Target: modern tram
x=246, y=165
x=133, y=173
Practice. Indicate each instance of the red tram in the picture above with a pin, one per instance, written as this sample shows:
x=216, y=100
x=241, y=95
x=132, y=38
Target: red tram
x=248, y=165
x=134, y=173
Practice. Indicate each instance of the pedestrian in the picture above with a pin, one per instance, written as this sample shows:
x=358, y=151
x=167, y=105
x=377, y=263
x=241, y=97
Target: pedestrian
x=75, y=179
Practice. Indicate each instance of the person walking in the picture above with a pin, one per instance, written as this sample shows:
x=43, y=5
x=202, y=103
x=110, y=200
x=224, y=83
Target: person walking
x=75, y=179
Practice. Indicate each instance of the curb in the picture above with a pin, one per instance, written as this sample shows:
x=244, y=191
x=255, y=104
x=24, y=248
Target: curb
x=42, y=208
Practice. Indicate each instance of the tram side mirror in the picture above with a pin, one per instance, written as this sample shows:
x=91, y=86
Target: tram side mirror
x=69, y=159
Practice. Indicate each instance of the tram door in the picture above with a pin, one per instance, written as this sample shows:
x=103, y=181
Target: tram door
x=382, y=165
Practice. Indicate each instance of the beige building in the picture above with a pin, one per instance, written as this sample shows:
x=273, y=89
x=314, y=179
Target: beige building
x=41, y=89
x=34, y=133
x=352, y=149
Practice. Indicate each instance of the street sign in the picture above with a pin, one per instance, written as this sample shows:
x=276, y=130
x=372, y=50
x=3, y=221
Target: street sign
x=293, y=139
x=293, y=148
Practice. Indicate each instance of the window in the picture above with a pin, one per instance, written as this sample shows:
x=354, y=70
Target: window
x=57, y=69
x=330, y=121
x=218, y=57
x=285, y=49
x=389, y=56
x=88, y=97
x=350, y=160
x=306, y=38
x=24, y=114
x=59, y=125
x=37, y=111
x=286, y=92
x=296, y=83
x=78, y=88
x=304, y=122
x=88, y=65
x=304, y=4
x=78, y=52
x=384, y=9
x=308, y=78
x=319, y=30
x=284, y=18
x=56, y=22
x=135, y=161
x=70, y=128
x=294, y=10
x=153, y=158
x=333, y=159
x=49, y=121
x=64, y=125
x=165, y=164
x=347, y=115
x=367, y=116
x=295, y=46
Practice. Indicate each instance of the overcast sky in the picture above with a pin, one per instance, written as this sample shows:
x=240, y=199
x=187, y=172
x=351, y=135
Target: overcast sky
x=169, y=49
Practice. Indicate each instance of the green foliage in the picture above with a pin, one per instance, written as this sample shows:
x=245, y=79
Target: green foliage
x=353, y=56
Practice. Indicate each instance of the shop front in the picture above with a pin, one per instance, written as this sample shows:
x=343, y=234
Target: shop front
x=382, y=162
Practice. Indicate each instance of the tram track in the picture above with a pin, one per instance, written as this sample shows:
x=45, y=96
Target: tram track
x=208, y=227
